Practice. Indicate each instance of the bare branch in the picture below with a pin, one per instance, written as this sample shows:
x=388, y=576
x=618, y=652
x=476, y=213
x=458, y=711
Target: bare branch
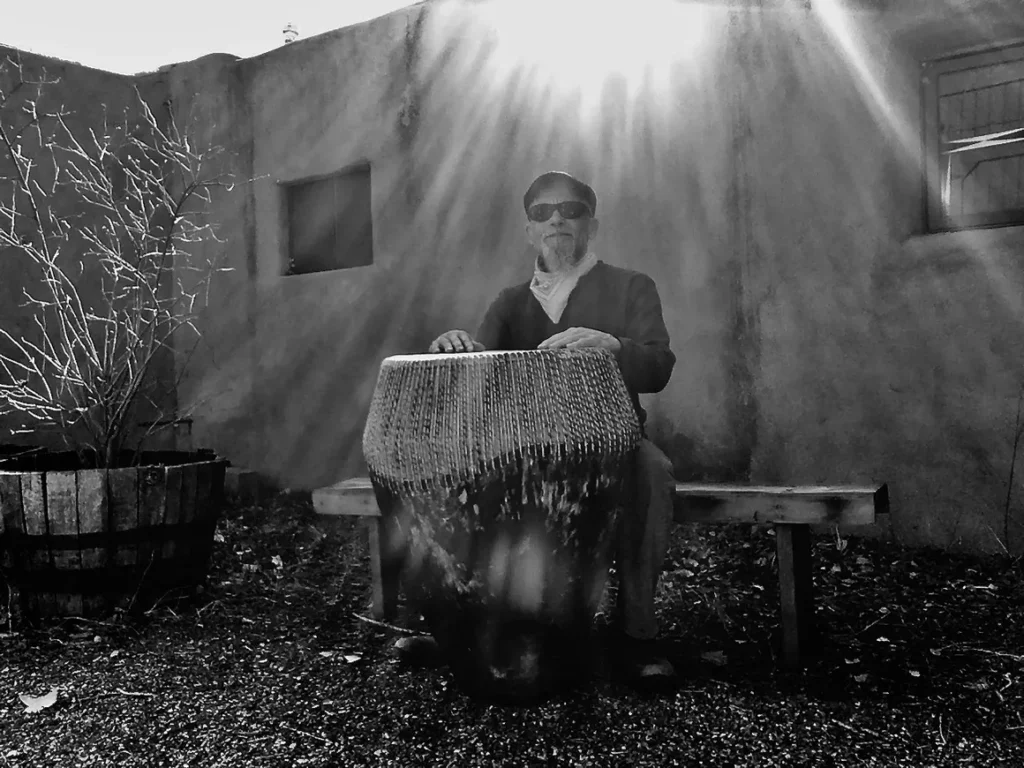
x=142, y=196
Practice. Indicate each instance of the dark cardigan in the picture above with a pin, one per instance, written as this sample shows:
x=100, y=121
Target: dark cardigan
x=622, y=302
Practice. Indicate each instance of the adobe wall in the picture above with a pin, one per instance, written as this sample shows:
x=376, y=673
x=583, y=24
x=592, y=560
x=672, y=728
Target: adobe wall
x=772, y=190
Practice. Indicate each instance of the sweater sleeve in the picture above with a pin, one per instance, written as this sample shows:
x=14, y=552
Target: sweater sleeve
x=493, y=331
x=645, y=359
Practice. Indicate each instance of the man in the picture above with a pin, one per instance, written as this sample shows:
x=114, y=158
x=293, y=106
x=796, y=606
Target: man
x=574, y=300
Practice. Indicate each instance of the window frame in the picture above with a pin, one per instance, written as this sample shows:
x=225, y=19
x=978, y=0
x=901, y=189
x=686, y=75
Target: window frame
x=935, y=216
x=286, y=190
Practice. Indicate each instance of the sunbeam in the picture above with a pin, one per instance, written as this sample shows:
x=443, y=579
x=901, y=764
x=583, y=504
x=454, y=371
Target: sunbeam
x=573, y=48
x=842, y=27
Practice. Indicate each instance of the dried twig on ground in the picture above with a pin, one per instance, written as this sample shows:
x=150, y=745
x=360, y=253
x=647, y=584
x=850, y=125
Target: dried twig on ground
x=392, y=627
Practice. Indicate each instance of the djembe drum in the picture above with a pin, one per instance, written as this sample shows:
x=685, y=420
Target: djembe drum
x=504, y=474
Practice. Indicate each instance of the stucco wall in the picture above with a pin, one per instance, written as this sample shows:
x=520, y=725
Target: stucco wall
x=831, y=191
x=452, y=146
x=885, y=354
x=771, y=195
x=949, y=341
x=773, y=192
x=216, y=371
x=661, y=163
x=318, y=107
x=688, y=180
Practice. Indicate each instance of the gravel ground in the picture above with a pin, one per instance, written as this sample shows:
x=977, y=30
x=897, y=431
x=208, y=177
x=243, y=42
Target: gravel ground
x=923, y=666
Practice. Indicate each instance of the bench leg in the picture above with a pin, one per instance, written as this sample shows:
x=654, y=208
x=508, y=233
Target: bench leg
x=385, y=571
x=793, y=542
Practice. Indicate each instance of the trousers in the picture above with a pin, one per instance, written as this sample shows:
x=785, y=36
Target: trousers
x=643, y=541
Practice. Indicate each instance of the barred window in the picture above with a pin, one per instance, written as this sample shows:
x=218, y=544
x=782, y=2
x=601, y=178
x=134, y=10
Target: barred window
x=974, y=136
x=329, y=223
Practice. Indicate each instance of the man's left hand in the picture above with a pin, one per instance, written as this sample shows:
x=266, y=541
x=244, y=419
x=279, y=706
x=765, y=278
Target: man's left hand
x=577, y=338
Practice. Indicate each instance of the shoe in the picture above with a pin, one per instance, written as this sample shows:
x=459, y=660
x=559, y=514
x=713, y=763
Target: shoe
x=644, y=666
x=419, y=651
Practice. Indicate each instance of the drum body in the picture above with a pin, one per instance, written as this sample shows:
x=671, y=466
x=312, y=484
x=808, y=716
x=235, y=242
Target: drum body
x=504, y=474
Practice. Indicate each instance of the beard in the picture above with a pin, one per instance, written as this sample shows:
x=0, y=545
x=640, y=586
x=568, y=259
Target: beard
x=559, y=254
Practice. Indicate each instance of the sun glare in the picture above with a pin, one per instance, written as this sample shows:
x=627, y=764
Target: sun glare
x=579, y=44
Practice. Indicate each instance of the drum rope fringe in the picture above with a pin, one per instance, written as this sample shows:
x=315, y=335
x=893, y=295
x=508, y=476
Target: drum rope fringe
x=459, y=443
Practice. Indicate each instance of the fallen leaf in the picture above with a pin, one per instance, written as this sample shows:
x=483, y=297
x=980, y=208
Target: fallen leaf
x=38, y=703
x=351, y=657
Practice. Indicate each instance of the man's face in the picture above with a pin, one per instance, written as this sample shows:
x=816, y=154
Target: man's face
x=560, y=240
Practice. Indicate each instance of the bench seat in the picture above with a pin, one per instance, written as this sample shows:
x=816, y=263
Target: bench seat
x=790, y=509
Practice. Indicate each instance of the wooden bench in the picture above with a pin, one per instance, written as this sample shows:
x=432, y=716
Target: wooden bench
x=790, y=509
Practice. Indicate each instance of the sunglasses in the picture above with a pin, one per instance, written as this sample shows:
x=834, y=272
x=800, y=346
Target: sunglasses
x=567, y=210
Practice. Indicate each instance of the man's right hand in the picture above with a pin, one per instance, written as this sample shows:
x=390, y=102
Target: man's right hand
x=455, y=341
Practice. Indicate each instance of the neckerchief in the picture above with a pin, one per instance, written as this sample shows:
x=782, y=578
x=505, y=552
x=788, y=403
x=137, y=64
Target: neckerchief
x=553, y=289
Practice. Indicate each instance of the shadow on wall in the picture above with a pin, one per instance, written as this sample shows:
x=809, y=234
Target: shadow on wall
x=696, y=461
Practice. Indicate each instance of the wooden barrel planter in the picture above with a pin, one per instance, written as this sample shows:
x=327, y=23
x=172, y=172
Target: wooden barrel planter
x=83, y=542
